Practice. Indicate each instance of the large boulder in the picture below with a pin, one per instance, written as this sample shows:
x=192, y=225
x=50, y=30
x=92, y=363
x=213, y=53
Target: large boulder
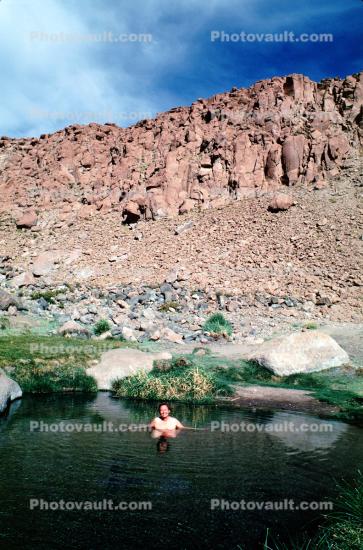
x=9, y=390
x=48, y=261
x=300, y=352
x=119, y=363
x=24, y=279
x=45, y=263
x=7, y=300
x=71, y=328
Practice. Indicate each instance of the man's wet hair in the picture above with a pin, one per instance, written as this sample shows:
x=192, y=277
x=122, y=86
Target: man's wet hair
x=162, y=405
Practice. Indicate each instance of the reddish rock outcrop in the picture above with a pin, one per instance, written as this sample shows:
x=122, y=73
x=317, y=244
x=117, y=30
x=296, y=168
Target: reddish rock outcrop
x=284, y=131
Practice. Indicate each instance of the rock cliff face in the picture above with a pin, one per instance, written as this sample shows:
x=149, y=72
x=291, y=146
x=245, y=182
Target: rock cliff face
x=286, y=131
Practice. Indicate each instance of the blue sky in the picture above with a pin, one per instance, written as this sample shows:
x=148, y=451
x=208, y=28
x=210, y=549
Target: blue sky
x=46, y=85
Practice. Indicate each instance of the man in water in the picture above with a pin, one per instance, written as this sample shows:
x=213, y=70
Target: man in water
x=164, y=424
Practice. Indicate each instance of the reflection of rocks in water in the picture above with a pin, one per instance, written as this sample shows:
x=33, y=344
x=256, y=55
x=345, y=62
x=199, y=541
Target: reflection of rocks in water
x=304, y=432
x=5, y=418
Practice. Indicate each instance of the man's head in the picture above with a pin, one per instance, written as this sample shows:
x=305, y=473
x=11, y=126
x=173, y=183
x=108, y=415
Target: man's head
x=164, y=410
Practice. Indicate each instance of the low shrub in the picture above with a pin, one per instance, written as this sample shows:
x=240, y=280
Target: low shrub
x=101, y=326
x=218, y=324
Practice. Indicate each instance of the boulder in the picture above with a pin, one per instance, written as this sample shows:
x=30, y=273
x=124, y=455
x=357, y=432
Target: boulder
x=44, y=263
x=7, y=300
x=119, y=363
x=280, y=202
x=171, y=336
x=24, y=279
x=48, y=261
x=9, y=390
x=27, y=220
x=71, y=328
x=301, y=352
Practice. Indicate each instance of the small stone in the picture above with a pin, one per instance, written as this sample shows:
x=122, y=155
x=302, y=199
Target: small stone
x=129, y=334
x=184, y=227
x=155, y=335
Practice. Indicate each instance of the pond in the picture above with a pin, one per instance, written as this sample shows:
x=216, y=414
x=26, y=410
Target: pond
x=166, y=487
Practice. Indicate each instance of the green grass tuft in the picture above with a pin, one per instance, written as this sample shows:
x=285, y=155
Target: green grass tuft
x=4, y=323
x=218, y=324
x=101, y=326
x=342, y=529
x=184, y=378
x=311, y=326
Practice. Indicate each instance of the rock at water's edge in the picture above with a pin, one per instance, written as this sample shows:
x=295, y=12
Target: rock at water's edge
x=300, y=352
x=9, y=390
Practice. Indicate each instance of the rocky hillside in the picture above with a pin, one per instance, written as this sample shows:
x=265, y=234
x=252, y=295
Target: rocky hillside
x=256, y=254
x=287, y=131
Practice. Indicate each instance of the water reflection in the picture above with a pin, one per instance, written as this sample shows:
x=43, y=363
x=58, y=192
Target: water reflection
x=179, y=475
x=304, y=432
x=162, y=445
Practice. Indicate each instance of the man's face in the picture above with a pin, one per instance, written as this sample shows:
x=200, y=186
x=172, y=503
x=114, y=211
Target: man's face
x=164, y=411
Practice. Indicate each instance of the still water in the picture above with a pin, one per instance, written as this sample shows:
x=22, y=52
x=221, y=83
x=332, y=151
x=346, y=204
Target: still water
x=177, y=478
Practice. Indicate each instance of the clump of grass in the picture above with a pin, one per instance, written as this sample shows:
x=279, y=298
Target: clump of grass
x=167, y=306
x=181, y=379
x=194, y=386
x=4, y=323
x=218, y=324
x=311, y=326
x=101, y=326
x=342, y=529
x=47, y=295
x=39, y=377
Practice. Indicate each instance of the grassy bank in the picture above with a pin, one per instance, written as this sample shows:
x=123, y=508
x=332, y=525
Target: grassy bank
x=51, y=363
x=198, y=379
x=340, y=387
x=341, y=530
x=54, y=363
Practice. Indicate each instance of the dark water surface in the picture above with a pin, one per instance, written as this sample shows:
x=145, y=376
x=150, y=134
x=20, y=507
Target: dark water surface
x=179, y=483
